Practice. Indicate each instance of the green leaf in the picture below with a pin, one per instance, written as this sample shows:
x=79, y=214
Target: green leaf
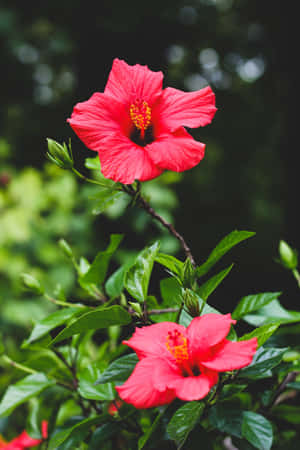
x=98, y=318
x=97, y=271
x=22, y=391
x=229, y=241
x=88, y=389
x=210, y=285
x=93, y=163
x=52, y=321
x=257, y=430
x=138, y=276
x=171, y=293
x=102, y=434
x=229, y=390
x=115, y=283
x=290, y=413
x=183, y=421
x=119, y=370
x=76, y=433
x=253, y=303
x=272, y=313
x=170, y=262
x=227, y=420
x=263, y=361
x=262, y=334
x=106, y=198
x=145, y=438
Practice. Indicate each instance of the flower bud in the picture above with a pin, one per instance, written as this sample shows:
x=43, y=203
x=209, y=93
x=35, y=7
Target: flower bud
x=288, y=256
x=191, y=303
x=60, y=154
x=31, y=283
x=188, y=273
x=136, y=308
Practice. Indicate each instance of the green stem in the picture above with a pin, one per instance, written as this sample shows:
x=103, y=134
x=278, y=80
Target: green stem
x=61, y=303
x=297, y=276
x=89, y=180
x=17, y=365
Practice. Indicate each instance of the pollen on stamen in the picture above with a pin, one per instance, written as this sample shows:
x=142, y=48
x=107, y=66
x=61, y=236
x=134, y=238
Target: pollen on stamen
x=177, y=345
x=140, y=114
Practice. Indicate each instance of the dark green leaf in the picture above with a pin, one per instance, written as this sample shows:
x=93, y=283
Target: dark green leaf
x=290, y=413
x=257, y=430
x=227, y=420
x=52, y=321
x=22, y=391
x=145, y=438
x=102, y=434
x=263, y=361
x=97, y=271
x=138, y=276
x=229, y=241
x=77, y=433
x=231, y=389
x=88, y=389
x=98, y=318
x=183, y=421
x=253, y=303
x=294, y=385
x=115, y=283
x=120, y=369
x=272, y=313
x=210, y=285
x=262, y=334
x=170, y=262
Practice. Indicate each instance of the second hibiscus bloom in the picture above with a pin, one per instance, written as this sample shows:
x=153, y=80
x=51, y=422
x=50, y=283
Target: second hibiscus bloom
x=182, y=362
x=137, y=127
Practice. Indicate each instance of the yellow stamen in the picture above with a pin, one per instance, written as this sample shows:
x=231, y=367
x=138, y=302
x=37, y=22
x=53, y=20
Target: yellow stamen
x=176, y=343
x=140, y=114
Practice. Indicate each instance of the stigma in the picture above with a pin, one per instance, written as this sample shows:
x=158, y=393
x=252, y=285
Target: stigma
x=140, y=114
x=177, y=345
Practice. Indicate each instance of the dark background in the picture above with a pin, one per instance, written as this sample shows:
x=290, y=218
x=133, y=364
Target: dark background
x=54, y=54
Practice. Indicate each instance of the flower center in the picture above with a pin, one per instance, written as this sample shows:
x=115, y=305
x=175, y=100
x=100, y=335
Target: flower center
x=176, y=343
x=140, y=114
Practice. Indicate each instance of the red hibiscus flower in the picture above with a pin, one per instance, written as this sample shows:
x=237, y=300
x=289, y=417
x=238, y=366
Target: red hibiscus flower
x=138, y=128
x=182, y=362
x=24, y=441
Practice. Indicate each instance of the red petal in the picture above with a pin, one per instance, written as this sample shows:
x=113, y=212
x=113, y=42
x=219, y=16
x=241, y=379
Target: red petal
x=24, y=440
x=128, y=83
x=151, y=340
x=176, y=108
x=122, y=160
x=95, y=119
x=140, y=391
x=206, y=331
x=232, y=355
x=177, y=151
x=195, y=388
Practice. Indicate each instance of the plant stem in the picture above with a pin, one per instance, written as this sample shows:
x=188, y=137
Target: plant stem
x=288, y=379
x=162, y=311
x=17, y=365
x=297, y=276
x=61, y=303
x=146, y=206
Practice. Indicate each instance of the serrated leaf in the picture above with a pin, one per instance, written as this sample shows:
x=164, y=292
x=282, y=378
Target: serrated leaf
x=263, y=361
x=77, y=433
x=138, y=276
x=254, y=302
x=229, y=241
x=22, y=391
x=119, y=370
x=183, y=421
x=257, y=430
x=272, y=313
x=98, y=269
x=227, y=420
x=52, y=321
x=262, y=334
x=89, y=390
x=98, y=318
x=210, y=285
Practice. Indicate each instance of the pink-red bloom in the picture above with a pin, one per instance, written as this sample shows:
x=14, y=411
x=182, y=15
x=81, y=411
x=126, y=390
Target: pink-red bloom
x=24, y=441
x=182, y=362
x=137, y=127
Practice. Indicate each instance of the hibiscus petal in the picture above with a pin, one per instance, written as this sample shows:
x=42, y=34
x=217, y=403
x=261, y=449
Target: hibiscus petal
x=206, y=331
x=122, y=160
x=195, y=388
x=232, y=355
x=128, y=83
x=96, y=118
x=177, y=151
x=140, y=390
x=151, y=340
x=24, y=440
x=176, y=108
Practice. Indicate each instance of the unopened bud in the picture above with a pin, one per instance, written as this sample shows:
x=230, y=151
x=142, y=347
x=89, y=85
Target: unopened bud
x=288, y=256
x=60, y=154
x=31, y=283
x=191, y=303
x=136, y=308
x=65, y=248
x=188, y=273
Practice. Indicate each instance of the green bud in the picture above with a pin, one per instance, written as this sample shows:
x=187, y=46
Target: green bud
x=291, y=356
x=191, y=303
x=188, y=273
x=60, y=154
x=137, y=308
x=31, y=283
x=288, y=256
x=65, y=248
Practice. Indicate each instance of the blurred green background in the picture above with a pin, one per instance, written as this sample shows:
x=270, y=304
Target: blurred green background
x=54, y=54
